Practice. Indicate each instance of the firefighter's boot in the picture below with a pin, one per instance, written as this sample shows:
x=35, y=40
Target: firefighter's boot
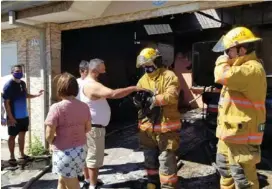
x=151, y=186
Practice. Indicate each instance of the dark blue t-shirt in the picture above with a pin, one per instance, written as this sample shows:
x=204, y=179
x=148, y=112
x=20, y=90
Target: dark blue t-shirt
x=16, y=93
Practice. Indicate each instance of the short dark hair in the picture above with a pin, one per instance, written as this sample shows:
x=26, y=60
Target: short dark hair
x=83, y=65
x=16, y=66
x=66, y=85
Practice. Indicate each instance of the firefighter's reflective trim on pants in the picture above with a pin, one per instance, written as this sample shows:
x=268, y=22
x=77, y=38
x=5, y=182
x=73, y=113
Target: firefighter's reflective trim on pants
x=159, y=100
x=152, y=172
x=168, y=179
x=242, y=102
x=223, y=78
x=239, y=176
x=222, y=164
x=238, y=160
x=151, y=163
x=174, y=126
x=226, y=181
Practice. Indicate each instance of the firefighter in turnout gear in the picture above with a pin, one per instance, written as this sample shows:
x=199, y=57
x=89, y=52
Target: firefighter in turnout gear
x=241, y=110
x=159, y=123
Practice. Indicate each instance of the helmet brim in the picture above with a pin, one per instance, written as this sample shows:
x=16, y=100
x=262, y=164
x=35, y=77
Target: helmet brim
x=220, y=47
x=142, y=61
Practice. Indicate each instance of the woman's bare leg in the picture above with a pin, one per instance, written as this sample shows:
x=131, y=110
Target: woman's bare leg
x=71, y=183
x=61, y=183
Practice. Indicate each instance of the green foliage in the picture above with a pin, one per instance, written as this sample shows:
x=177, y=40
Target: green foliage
x=36, y=147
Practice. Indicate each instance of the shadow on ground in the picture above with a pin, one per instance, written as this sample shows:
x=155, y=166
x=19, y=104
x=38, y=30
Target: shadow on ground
x=44, y=184
x=14, y=185
x=197, y=183
x=205, y=182
x=121, y=168
x=132, y=184
x=263, y=181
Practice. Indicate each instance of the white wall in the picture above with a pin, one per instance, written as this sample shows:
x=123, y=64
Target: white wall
x=8, y=59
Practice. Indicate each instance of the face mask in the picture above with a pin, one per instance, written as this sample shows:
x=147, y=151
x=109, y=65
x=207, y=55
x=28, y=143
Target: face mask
x=149, y=69
x=101, y=77
x=18, y=75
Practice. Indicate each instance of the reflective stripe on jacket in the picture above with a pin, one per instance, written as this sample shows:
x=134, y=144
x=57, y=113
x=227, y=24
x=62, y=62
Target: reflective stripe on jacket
x=165, y=84
x=241, y=108
x=162, y=128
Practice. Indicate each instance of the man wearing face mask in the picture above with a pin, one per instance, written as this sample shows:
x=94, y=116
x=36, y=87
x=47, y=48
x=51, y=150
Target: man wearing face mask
x=241, y=110
x=160, y=137
x=15, y=95
x=94, y=94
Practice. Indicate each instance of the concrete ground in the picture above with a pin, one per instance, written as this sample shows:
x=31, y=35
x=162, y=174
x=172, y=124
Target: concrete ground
x=123, y=165
x=5, y=151
x=14, y=177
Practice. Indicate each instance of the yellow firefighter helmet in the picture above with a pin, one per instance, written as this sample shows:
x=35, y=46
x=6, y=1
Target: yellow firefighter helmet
x=235, y=37
x=147, y=57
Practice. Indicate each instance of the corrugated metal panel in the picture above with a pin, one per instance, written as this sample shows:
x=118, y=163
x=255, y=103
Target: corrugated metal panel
x=158, y=29
x=206, y=22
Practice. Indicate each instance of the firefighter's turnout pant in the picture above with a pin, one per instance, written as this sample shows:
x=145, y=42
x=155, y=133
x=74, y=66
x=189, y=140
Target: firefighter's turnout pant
x=160, y=157
x=237, y=165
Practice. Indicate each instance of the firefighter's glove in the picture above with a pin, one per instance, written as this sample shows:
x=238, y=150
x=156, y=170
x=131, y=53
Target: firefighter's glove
x=144, y=99
x=222, y=59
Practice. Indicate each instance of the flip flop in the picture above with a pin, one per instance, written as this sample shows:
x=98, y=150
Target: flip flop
x=27, y=158
x=12, y=162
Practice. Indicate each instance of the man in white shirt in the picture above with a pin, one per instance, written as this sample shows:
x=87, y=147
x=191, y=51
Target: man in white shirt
x=94, y=94
x=83, y=71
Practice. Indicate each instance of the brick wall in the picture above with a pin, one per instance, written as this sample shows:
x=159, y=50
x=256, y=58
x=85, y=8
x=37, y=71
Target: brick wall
x=53, y=41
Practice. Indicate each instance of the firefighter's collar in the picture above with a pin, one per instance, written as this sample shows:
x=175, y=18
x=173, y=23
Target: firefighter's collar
x=240, y=60
x=154, y=75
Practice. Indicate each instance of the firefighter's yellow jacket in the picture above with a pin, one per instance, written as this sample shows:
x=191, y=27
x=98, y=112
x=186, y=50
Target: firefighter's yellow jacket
x=165, y=84
x=241, y=110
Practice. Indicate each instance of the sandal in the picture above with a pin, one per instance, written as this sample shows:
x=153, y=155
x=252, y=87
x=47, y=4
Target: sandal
x=27, y=158
x=12, y=162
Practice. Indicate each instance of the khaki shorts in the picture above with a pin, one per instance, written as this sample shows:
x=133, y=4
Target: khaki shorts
x=96, y=146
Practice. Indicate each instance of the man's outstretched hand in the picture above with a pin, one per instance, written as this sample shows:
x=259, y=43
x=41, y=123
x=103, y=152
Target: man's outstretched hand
x=40, y=93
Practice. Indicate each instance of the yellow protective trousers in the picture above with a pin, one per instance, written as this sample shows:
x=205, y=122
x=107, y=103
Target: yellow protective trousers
x=237, y=165
x=160, y=157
